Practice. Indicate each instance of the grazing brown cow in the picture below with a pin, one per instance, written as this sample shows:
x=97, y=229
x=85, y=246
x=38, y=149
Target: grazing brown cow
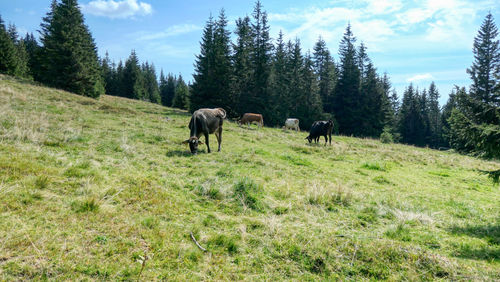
x=249, y=118
x=205, y=121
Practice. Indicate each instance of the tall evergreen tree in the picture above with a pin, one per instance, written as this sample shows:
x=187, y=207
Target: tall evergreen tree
x=222, y=67
x=151, y=84
x=280, y=103
x=181, y=98
x=33, y=50
x=325, y=69
x=435, y=126
x=69, y=53
x=475, y=122
x=261, y=60
x=243, y=71
x=347, y=100
x=133, y=86
x=8, y=56
x=485, y=68
x=203, y=86
x=311, y=108
x=169, y=90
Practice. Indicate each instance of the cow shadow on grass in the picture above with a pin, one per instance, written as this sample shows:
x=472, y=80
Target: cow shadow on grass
x=179, y=153
x=490, y=233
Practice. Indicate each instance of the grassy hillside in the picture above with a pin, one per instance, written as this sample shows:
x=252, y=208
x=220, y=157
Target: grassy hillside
x=89, y=188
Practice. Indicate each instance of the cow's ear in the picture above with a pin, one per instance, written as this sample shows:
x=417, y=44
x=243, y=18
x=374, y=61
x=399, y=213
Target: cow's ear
x=200, y=142
x=185, y=141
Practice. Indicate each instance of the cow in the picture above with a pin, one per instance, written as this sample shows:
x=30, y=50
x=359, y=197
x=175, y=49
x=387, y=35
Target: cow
x=249, y=118
x=205, y=121
x=321, y=128
x=292, y=123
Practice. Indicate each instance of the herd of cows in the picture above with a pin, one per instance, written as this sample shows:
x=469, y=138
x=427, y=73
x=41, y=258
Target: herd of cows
x=209, y=121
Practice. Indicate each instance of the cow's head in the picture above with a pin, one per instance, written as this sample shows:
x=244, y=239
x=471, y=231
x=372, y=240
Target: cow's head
x=193, y=144
x=309, y=138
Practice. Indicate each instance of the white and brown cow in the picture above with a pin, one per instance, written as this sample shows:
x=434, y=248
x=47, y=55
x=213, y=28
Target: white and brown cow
x=292, y=123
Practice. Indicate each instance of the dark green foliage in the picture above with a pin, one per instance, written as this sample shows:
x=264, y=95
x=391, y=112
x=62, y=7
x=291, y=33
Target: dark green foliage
x=69, y=55
x=485, y=69
x=243, y=71
x=347, y=99
x=327, y=75
x=8, y=53
x=412, y=125
x=152, y=92
x=181, y=97
x=133, y=80
x=167, y=89
x=474, y=122
x=261, y=61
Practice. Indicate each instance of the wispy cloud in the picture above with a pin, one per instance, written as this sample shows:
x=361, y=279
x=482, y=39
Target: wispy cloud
x=171, y=31
x=117, y=9
x=420, y=77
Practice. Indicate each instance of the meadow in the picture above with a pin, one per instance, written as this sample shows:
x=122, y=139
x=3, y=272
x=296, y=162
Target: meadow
x=104, y=189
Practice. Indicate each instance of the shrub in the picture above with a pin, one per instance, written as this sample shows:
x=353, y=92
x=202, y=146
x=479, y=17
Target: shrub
x=386, y=136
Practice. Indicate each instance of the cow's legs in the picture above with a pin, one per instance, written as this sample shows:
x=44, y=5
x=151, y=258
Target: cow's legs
x=218, y=134
x=206, y=140
x=326, y=139
x=330, y=135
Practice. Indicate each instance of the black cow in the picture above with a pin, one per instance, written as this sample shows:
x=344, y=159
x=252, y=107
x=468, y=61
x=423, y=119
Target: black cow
x=205, y=121
x=321, y=128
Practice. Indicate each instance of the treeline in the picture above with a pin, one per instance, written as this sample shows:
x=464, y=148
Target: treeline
x=279, y=80
x=139, y=81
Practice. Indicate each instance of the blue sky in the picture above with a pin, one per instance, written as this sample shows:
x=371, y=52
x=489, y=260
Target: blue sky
x=413, y=41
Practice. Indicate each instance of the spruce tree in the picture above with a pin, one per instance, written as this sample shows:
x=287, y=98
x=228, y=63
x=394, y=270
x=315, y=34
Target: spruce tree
x=169, y=90
x=485, y=68
x=347, y=100
x=69, y=56
x=33, y=50
x=280, y=103
x=133, y=86
x=8, y=55
x=243, y=71
x=151, y=84
x=261, y=60
x=325, y=69
x=475, y=122
x=311, y=108
x=203, y=86
x=181, y=98
x=222, y=68
x=435, y=126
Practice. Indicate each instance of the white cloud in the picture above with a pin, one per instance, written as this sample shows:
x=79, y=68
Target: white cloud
x=171, y=31
x=379, y=7
x=117, y=9
x=420, y=77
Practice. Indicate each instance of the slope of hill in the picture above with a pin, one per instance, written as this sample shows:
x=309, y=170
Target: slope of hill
x=104, y=189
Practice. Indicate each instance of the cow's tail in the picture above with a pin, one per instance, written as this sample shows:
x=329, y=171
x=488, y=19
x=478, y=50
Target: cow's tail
x=222, y=113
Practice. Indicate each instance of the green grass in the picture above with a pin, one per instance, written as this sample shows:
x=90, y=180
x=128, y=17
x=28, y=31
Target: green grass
x=89, y=188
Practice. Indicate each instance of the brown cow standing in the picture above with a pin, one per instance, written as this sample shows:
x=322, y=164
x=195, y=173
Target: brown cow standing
x=249, y=118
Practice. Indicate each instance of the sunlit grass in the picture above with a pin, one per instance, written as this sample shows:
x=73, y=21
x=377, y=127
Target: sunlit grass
x=89, y=188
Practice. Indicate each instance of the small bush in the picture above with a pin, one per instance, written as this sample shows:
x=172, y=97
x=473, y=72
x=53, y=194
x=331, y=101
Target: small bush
x=368, y=216
x=386, y=136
